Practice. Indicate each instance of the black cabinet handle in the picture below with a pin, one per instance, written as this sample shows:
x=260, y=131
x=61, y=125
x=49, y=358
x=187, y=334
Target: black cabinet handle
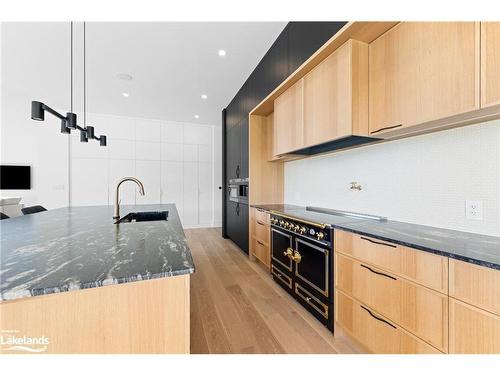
x=260, y=243
x=386, y=128
x=238, y=209
x=378, y=273
x=260, y=223
x=238, y=171
x=378, y=243
x=376, y=317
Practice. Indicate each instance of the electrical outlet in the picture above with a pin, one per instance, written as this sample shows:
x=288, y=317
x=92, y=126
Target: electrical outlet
x=474, y=210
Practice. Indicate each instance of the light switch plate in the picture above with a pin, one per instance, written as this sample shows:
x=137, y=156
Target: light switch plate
x=474, y=210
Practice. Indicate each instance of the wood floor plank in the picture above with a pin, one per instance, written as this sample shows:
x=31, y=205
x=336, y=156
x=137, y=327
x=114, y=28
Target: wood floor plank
x=238, y=308
x=266, y=341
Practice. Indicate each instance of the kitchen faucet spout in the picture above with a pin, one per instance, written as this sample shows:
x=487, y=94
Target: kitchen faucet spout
x=117, y=194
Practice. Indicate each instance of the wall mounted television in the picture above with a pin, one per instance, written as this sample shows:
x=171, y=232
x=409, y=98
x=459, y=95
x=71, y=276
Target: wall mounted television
x=15, y=177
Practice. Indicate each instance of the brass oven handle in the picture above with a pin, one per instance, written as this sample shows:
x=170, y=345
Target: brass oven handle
x=297, y=258
x=293, y=255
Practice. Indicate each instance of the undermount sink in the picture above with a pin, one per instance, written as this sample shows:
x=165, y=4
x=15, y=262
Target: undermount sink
x=143, y=216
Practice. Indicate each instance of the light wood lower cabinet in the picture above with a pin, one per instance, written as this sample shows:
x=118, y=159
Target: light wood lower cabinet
x=374, y=332
x=419, y=310
x=476, y=285
x=472, y=330
x=260, y=236
x=419, y=266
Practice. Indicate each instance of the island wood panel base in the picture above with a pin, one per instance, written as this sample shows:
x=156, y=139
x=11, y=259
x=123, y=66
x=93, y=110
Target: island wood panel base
x=150, y=316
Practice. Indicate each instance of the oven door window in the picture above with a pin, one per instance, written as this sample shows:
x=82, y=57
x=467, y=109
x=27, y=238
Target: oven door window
x=313, y=268
x=281, y=241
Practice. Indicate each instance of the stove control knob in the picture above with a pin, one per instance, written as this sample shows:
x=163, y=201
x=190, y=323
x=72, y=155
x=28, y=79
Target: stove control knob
x=286, y=224
x=296, y=228
x=303, y=230
x=312, y=232
x=320, y=236
x=282, y=222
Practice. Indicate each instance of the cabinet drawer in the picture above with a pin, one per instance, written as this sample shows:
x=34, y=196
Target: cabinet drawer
x=261, y=251
x=477, y=285
x=376, y=333
x=472, y=330
x=261, y=231
x=261, y=215
x=419, y=310
x=424, y=268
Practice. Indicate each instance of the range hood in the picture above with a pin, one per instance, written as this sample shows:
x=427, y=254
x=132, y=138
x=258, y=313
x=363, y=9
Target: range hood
x=337, y=144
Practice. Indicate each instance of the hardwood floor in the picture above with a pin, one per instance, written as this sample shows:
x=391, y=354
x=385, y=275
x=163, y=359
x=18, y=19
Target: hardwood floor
x=237, y=308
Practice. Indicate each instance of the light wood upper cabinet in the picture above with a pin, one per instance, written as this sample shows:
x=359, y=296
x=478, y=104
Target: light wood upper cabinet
x=423, y=71
x=288, y=127
x=336, y=95
x=490, y=63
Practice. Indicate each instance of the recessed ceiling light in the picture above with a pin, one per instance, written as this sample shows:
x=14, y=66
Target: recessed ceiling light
x=196, y=116
x=124, y=76
x=125, y=94
x=204, y=96
x=221, y=52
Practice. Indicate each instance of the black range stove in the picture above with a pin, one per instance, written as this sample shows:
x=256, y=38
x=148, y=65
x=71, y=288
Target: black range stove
x=302, y=263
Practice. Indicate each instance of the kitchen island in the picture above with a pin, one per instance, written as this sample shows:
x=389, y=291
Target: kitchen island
x=72, y=281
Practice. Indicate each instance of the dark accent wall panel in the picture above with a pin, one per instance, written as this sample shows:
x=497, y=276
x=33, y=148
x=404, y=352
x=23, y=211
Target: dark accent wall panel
x=295, y=44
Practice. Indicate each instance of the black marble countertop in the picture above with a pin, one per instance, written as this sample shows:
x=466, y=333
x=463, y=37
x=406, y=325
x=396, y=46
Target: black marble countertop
x=469, y=247
x=80, y=247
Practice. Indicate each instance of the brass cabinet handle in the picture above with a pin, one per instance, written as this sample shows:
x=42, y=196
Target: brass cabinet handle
x=386, y=128
x=378, y=243
x=378, y=318
x=378, y=273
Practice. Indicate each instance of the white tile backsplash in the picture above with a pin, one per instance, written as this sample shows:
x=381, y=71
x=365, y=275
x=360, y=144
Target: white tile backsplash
x=424, y=179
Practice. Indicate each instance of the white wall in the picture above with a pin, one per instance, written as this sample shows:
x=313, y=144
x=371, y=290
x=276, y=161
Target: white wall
x=22, y=140
x=423, y=180
x=175, y=162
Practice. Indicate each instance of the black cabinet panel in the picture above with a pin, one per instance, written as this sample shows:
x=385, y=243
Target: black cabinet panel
x=305, y=38
x=232, y=225
x=237, y=224
x=294, y=45
x=233, y=155
x=244, y=148
x=272, y=69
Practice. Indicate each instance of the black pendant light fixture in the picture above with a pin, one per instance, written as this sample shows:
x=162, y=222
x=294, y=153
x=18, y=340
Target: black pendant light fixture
x=69, y=121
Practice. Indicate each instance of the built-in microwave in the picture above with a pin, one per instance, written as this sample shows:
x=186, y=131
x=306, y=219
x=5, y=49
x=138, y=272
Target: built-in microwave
x=238, y=190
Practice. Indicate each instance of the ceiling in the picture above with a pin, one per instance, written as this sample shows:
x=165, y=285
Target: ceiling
x=171, y=64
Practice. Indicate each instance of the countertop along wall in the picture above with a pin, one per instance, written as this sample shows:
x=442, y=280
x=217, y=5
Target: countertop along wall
x=422, y=180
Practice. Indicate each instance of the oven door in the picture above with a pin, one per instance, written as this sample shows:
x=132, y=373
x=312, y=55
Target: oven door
x=313, y=271
x=280, y=243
